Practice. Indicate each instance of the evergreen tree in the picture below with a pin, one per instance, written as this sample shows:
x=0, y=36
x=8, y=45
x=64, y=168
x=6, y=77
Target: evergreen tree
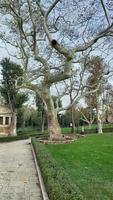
x=12, y=77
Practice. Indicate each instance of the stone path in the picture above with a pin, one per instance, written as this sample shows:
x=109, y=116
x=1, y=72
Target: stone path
x=18, y=178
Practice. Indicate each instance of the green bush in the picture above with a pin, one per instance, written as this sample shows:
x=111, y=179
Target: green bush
x=57, y=182
x=30, y=132
x=13, y=138
x=21, y=137
x=94, y=130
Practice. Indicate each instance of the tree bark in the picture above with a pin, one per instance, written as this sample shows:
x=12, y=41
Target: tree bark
x=13, y=124
x=100, y=126
x=89, y=125
x=73, y=121
x=99, y=114
x=53, y=124
x=72, y=112
x=42, y=121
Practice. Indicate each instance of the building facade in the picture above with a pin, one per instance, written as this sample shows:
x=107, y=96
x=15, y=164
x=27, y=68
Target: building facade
x=5, y=120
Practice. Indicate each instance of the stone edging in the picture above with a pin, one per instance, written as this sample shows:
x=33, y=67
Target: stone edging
x=57, y=142
x=42, y=186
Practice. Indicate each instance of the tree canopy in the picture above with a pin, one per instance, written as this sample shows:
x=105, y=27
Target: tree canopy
x=12, y=78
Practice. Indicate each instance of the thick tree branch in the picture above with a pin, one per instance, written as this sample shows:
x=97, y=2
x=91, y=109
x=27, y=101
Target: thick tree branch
x=94, y=40
x=53, y=42
x=60, y=76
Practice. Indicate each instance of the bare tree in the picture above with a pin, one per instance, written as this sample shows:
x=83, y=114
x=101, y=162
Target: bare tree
x=97, y=77
x=48, y=36
x=88, y=116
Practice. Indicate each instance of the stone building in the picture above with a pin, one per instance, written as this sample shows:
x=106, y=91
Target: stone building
x=5, y=120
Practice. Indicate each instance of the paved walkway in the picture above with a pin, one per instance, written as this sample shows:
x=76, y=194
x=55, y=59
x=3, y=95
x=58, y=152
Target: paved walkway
x=18, y=178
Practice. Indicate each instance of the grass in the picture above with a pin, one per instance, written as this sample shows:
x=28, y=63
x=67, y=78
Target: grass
x=89, y=163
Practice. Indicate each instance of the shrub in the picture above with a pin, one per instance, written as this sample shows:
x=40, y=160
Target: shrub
x=57, y=182
x=21, y=137
x=13, y=138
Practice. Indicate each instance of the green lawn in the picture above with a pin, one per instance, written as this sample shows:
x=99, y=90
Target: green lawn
x=89, y=163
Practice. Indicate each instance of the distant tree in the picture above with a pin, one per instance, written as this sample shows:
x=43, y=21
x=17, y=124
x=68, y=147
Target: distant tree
x=40, y=112
x=21, y=118
x=27, y=116
x=108, y=103
x=96, y=79
x=88, y=115
x=72, y=89
x=68, y=117
x=12, y=77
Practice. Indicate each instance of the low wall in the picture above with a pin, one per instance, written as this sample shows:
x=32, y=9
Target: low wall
x=4, y=130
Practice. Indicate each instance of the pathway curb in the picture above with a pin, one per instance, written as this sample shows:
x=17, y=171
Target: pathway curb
x=42, y=186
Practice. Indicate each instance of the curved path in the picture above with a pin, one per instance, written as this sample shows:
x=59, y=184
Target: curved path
x=18, y=177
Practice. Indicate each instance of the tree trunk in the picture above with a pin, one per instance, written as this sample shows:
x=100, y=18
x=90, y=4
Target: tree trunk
x=90, y=125
x=42, y=120
x=53, y=124
x=99, y=121
x=73, y=121
x=72, y=113
x=23, y=121
x=99, y=114
x=100, y=126
x=13, y=124
x=23, y=124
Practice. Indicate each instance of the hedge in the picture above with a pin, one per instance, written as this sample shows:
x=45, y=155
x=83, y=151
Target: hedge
x=94, y=130
x=12, y=138
x=57, y=182
x=37, y=135
x=21, y=137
